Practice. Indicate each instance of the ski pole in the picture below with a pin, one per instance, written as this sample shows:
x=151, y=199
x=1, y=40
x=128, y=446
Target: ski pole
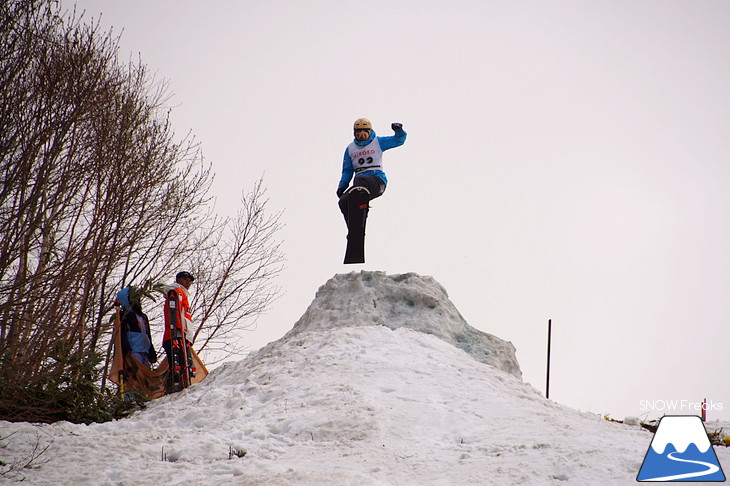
x=547, y=382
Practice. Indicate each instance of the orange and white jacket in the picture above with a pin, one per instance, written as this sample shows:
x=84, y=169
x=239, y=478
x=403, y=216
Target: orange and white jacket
x=185, y=316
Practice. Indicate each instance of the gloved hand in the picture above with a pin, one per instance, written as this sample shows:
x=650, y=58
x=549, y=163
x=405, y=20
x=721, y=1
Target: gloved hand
x=396, y=126
x=340, y=192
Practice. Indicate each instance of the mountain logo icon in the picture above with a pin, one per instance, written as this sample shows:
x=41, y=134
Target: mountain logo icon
x=680, y=451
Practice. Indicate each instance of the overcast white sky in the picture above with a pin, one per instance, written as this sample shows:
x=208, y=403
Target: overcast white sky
x=566, y=160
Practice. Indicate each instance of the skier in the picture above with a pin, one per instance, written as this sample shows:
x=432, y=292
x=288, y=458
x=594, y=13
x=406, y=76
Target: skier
x=183, y=281
x=364, y=158
x=135, y=327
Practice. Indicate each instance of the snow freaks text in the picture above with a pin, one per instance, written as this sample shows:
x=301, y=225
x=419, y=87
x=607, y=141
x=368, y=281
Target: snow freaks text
x=680, y=406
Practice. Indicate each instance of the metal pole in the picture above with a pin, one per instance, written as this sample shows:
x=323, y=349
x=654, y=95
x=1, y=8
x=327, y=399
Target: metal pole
x=547, y=384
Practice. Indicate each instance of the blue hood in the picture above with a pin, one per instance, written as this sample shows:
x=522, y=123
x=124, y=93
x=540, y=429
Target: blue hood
x=129, y=297
x=123, y=298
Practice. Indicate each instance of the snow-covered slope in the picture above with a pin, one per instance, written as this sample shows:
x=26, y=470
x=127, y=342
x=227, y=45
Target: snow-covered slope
x=342, y=404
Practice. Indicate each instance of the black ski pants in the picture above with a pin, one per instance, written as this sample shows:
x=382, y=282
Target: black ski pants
x=372, y=183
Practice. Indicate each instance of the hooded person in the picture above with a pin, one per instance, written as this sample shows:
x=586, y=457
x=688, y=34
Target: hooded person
x=135, y=327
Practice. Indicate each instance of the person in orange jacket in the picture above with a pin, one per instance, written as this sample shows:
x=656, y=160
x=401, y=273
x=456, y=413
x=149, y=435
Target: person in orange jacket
x=183, y=281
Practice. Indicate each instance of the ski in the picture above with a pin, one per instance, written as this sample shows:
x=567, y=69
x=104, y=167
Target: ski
x=179, y=369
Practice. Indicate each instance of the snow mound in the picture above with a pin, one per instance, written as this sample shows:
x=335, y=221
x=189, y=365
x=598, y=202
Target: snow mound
x=343, y=400
x=361, y=406
x=402, y=301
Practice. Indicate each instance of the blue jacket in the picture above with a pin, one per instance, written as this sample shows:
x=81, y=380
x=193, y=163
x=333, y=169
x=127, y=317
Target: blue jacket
x=385, y=143
x=136, y=335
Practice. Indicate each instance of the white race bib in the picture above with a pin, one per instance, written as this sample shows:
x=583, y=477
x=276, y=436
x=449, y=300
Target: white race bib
x=366, y=157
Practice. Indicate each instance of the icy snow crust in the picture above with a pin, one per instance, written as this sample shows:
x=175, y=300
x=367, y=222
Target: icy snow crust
x=395, y=301
x=347, y=404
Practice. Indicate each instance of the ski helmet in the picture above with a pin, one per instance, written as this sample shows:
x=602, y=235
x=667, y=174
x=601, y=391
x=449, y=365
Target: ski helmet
x=362, y=124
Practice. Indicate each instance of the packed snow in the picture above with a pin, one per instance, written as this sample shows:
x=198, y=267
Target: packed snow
x=381, y=382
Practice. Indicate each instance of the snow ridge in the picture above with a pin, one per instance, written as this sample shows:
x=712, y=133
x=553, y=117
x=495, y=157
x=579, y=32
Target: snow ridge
x=397, y=301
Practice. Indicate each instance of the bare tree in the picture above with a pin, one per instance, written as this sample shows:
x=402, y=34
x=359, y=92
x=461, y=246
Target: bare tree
x=97, y=193
x=235, y=267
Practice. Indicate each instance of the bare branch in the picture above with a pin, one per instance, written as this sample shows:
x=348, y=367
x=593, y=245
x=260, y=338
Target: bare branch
x=96, y=192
